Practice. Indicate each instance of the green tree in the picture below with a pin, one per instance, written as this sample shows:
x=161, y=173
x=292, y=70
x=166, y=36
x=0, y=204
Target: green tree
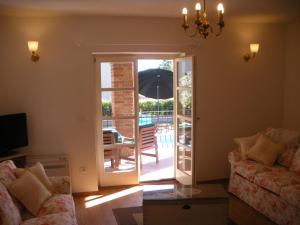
x=166, y=65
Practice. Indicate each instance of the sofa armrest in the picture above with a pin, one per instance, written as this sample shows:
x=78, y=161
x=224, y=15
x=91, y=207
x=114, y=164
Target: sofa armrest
x=61, y=184
x=234, y=156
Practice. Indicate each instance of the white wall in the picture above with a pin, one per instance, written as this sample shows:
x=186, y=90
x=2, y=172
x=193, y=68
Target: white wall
x=233, y=97
x=292, y=80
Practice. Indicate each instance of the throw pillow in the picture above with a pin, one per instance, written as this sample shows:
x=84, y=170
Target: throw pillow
x=39, y=171
x=9, y=213
x=295, y=166
x=286, y=137
x=245, y=143
x=286, y=158
x=30, y=191
x=265, y=151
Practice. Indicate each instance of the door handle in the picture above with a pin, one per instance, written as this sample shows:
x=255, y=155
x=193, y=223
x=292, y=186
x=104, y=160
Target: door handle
x=198, y=118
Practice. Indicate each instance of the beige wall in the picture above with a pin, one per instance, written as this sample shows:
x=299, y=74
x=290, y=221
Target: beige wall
x=233, y=97
x=237, y=98
x=292, y=80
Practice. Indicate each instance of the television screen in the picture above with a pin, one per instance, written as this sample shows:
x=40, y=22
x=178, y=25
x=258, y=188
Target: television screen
x=13, y=132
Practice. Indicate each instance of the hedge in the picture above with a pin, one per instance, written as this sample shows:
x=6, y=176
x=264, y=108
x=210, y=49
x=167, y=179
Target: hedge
x=152, y=106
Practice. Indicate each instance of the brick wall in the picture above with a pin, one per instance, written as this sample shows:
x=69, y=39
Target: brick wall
x=123, y=101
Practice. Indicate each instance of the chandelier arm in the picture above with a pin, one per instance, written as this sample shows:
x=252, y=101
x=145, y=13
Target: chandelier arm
x=219, y=32
x=191, y=34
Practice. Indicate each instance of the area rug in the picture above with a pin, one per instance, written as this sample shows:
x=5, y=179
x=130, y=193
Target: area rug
x=129, y=216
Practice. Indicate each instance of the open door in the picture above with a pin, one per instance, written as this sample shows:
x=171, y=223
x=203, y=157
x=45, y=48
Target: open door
x=184, y=120
x=117, y=120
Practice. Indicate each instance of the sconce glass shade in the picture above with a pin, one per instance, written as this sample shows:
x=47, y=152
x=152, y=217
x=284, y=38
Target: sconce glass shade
x=254, y=48
x=33, y=46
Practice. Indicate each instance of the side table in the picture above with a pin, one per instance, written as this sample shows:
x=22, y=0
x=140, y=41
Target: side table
x=19, y=159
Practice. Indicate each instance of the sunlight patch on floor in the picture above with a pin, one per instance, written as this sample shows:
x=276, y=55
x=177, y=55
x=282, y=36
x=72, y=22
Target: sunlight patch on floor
x=91, y=197
x=107, y=198
x=158, y=174
x=94, y=200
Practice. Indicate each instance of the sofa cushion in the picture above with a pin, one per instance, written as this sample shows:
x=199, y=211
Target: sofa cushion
x=295, y=165
x=286, y=158
x=9, y=213
x=248, y=168
x=245, y=143
x=56, y=204
x=39, y=171
x=291, y=194
x=289, y=138
x=26, y=184
x=7, y=175
x=53, y=219
x=265, y=150
x=61, y=184
x=276, y=179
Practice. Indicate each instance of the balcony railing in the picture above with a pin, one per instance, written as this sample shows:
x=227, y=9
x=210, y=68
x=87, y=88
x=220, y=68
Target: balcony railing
x=155, y=117
x=150, y=117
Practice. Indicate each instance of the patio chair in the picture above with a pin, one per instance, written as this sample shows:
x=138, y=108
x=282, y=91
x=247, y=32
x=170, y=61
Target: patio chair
x=147, y=141
x=111, y=154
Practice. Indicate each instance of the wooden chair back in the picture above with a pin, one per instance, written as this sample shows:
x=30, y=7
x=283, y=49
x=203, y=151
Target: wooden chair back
x=108, y=138
x=147, y=138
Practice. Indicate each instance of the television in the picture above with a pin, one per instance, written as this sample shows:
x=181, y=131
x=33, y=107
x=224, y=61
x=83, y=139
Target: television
x=13, y=132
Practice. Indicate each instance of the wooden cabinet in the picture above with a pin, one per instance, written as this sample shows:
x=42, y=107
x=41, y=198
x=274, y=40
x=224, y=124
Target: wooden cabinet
x=186, y=212
x=185, y=205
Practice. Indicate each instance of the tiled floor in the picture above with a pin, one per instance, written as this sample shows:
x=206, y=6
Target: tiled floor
x=165, y=168
x=151, y=171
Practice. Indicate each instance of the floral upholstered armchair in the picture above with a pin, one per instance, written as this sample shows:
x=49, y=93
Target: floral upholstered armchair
x=57, y=209
x=265, y=173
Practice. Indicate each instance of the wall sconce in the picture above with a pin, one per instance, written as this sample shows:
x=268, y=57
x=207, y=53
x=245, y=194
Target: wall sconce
x=33, y=47
x=254, y=50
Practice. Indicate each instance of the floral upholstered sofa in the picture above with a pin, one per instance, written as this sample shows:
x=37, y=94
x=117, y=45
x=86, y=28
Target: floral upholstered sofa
x=58, y=209
x=273, y=190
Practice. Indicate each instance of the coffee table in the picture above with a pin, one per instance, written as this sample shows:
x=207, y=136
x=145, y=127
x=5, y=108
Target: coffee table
x=205, y=204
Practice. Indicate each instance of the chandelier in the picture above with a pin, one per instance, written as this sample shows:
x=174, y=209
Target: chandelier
x=203, y=28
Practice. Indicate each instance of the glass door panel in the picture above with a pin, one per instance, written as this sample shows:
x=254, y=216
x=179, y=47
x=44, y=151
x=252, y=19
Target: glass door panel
x=184, y=102
x=118, y=103
x=184, y=120
x=184, y=132
x=184, y=73
x=117, y=74
x=118, y=126
x=184, y=160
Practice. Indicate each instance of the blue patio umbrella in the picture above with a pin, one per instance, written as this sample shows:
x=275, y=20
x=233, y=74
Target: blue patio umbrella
x=156, y=83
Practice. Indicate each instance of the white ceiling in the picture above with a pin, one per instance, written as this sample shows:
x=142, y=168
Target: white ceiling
x=247, y=10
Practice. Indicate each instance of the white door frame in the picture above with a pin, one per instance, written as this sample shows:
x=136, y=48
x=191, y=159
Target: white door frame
x=181, y=176
x=115, y=178
x=126, y=178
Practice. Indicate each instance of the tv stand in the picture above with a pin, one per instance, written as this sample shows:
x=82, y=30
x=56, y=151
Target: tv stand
x=19, y=159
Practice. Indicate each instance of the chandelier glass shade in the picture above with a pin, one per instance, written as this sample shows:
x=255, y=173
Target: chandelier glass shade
x=202, y=25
